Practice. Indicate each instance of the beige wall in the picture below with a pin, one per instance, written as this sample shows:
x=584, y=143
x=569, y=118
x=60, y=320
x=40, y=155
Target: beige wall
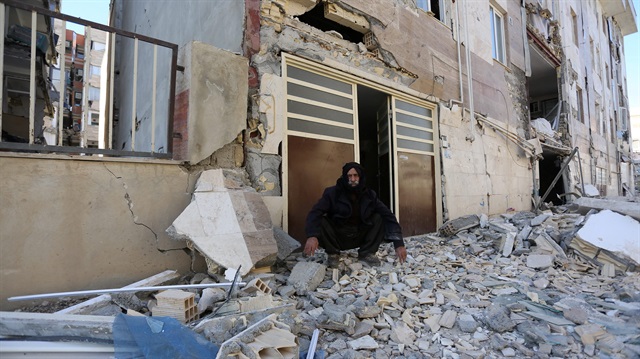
x=74, y=224
x=489, y=175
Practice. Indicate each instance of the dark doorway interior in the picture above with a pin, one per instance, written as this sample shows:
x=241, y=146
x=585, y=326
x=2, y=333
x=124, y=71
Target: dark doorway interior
x=549, y=168
x=371, y=103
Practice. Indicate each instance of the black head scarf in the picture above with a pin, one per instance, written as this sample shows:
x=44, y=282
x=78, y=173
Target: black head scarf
x=343, y=181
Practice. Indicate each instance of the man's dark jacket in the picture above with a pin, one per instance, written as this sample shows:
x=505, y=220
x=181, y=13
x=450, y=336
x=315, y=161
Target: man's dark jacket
x=336, y=205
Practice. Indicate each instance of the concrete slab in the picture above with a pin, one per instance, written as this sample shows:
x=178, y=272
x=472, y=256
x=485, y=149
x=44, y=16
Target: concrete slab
x=631, y=209
x=227, y=223
x=614, y=232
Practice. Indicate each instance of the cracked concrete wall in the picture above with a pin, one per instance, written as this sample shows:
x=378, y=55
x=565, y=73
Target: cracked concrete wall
x=419, y=63
x=498, y=168
x=71, y=225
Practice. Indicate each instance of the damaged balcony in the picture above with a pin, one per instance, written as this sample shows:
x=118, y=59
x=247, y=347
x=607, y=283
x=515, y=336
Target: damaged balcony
x=65, y=93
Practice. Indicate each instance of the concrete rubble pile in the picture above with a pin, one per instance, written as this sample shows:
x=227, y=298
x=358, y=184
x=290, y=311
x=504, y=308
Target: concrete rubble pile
x=513, y=285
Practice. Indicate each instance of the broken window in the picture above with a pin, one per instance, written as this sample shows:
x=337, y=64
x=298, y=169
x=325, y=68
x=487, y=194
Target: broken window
x=79, y=74
x=497, y=39
x=95, y=45
x=94, y=118
x=579, y=99
x=435, y=7
x=78, y=99
x=94, y=93
x=94, y=70
x=574, y=23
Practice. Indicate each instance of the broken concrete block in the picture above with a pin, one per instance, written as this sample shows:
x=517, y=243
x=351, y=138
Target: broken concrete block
x=267, y=337
x=366, y=342
x=260, y=302
x=466, y=323
x=363, y=328
x=402, y=334
x=286, y=243
x=306, y=276
x=336, y=317
x=611, y=231
x=228, y=225
x=176, y=304
x=260, y=168
x=433, y=322
x=456, y=225
x=631, y=209
x=509, y=241
x=209, y=297
x=590, y=333
x=448, y=319
x=367, y=311
x=576, y=315
x=539, y=219
x=590, y=190
x=541, y=283
x=257, y=286
x=539, y=261
x=497, y=318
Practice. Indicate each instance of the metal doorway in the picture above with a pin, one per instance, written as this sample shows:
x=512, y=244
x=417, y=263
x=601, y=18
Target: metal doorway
x=333, y=118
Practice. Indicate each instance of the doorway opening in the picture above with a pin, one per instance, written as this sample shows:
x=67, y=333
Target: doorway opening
x=375, y=146
x=549, y=167
x=544, y=111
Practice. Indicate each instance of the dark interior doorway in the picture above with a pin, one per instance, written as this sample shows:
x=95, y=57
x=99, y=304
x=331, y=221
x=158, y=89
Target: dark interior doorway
x=549, y=168
x=371, y=103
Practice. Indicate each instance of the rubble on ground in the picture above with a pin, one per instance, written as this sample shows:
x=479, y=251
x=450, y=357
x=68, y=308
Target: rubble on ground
x=514, y=285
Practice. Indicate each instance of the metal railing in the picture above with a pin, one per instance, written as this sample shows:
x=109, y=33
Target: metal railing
x=39, y=83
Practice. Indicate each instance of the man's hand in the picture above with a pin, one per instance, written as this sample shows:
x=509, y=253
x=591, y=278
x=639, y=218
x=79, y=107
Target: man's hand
x=311, y=246
x=401, y=252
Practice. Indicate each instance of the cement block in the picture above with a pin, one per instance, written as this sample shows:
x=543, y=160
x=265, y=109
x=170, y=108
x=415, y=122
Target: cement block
x=539, y=261
x=306, y=276
x=286, y=243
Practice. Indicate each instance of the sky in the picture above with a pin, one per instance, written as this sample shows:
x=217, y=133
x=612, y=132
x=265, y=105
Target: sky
x=98, y=11
x=92, y=10
x=632, y=58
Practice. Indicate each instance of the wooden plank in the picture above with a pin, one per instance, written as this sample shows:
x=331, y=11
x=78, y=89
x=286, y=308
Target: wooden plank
x=56, y=325
x=104, y=299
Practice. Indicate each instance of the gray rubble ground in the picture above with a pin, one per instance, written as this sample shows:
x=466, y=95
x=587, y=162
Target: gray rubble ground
x=461, y=297
x=495, y=287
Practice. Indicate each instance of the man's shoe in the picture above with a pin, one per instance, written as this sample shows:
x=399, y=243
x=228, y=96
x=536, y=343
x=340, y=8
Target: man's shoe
x=333, y=261
x=371, y=259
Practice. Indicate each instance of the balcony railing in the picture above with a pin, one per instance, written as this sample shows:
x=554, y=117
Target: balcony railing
x=37, y=117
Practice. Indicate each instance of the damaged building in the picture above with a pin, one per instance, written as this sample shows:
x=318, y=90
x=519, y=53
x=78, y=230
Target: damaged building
x=453, y=107
x=510, y=95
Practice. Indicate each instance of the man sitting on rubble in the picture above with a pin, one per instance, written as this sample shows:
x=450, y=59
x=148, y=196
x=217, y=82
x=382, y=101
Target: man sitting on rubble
x=350, y=216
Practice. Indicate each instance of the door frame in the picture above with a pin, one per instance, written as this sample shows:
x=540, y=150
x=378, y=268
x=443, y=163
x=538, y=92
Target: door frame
x=394, y=90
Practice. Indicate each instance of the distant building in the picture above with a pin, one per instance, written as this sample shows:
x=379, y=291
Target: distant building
x=454, y=108
x=16, y=73
x=81, y=95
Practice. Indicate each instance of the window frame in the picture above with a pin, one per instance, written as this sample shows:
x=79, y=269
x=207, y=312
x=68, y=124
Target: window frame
x=93, y=69
x=91, y=91
x=495, y=41
x=94, y=47
x=442, y=11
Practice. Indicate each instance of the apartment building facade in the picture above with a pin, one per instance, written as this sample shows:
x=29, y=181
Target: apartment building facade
x=454, y=107
x=430, y=96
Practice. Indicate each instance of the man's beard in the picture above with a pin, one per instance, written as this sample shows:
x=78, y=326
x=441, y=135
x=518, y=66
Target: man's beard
x=354, y=183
